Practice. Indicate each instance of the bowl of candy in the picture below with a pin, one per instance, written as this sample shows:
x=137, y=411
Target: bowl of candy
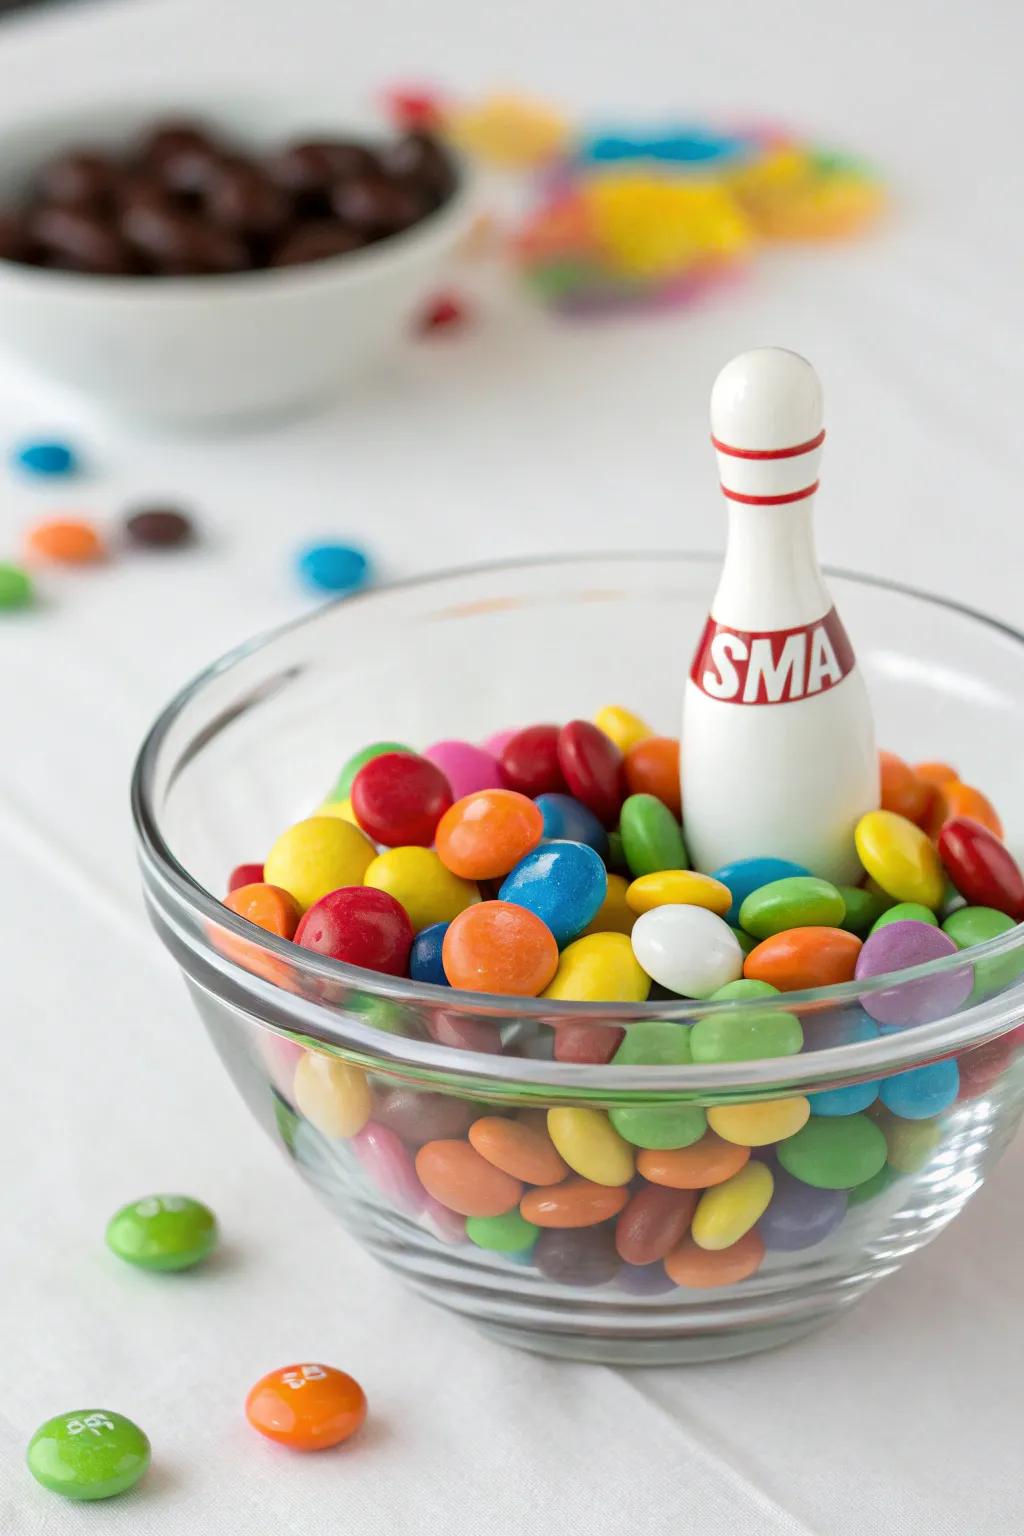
x=449, y=995
x=218, y=259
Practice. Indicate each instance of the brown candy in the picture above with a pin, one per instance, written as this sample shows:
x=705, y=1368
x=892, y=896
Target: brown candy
x=316, y=165
x=15, y=244
x=159, y=527
x=181, y=244
x=81, y=241
x=316, y=242
x=243, y=198
x=82, y=177
x=420, y=159
x=376, y=207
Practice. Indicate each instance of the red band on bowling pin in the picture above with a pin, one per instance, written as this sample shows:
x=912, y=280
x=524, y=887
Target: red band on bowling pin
x=781, y=666
x=770, y=501
x=771, y=453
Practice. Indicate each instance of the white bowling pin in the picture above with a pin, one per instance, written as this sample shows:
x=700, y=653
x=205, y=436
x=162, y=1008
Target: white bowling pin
x=778, y=749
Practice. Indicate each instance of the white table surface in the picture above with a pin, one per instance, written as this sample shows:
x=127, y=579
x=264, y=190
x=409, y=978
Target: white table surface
x=519, y=436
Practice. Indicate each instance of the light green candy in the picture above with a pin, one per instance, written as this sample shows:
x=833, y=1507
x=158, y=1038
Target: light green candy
x=652, y=839
x=510, y=1233
x=654, y=1043
x=343, y=786
x=91, y=1454
x=745, y=941
x=835, y=1153
x=657, y=1043
x=976, y=925
x=749, y=1034
x=163, y=1232
x=863, y=908
x=15, y=587
x=906, y=912
x=799, y=901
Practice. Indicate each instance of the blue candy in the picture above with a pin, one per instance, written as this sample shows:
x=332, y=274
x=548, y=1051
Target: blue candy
x=844, y=1025
x=425, y=955
x=743, y=876
x=46, y=458
x=570, y=819
x=922, y=1092
x=681, y=146
x=334, y=567
x=843, y=1101
x=563, y=883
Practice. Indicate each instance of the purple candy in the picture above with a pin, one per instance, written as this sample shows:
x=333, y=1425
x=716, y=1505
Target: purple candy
x=388, y=1164
x=645, y=1279
x=467, y=768
x=895, y=947
x=799, y=1215
x=578, y=1255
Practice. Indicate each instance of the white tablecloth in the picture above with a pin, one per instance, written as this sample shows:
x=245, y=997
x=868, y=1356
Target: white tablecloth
x=520, y=435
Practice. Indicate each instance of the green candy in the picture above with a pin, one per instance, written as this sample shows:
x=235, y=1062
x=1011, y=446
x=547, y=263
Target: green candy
x=92, y=1454
x=976, y=925
x=510, y=1233
x=654, y=1043
x=15, y=587
x=906, y=912
x=163, y=1232
x=745, y=941
x=800, y=901
x=835, y=1153
x=652, y=839
x=863, y=908
x=749, y=1034
x=878, y=1182
x=616, y=854
x=343, y=786
x=661, y=1127
x=743, y=990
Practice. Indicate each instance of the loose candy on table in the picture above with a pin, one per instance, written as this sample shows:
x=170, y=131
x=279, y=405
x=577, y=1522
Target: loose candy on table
x=529, y=761
x=317, y=856
x=592, y=768
x=360, y=926
x=16, y=589
x=399, y=798
x=652, y=839
x=897, y=947
x=444, y=312
x=801, y=958
x=744, y=876
x=570, y=820
x=484, y=835
x=599, y=967
x=689, y=950
x=622, y=727
x=337, y=568
x=834, y=1154
x=306, y=1407
x=92, y=1453
x=417, y=879
x=651, y=767
x=799, y=901
x=159, y=528
x=46, y=458
x=65, y=541
x=426, y=961
x=163, y=1232
x=900, y=857
x=499, y=948
x=343, y=786
x=981, y=867
x=573, y=1202
x=466, y=767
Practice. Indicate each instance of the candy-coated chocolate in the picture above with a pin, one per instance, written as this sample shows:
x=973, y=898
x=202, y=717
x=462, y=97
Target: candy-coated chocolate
x=599, y=968
x=909, y=1143
x=159, y=528
x=922, y=1092
x=652, y=839
x=563, y=883
x=163, y=1232
x=426, y=962
x=654, y=1221
x=360, y=926
x=91, y=1453
x=65, y=541
x=644, y=1280
x=834, y=1153
x=448, y=1226
x=689, y=950
x=307, y=1407
x=744, y=876
x=798, y=901
x=902, y=790
x=496, y=743
x=900, y=857
x=614, y=915
x=455, y=1173
x=746, y=1034
x=801, y=958
x=500, y=948
x=654, y=1042
x=799, y=1215
x=268, y=906
x=462, y=1034
x=334, y=1095
x=421, y=1117
x=760, y=1123
x=418, y=880
x=864, y=908
x=592, y=768
x=981, y=1068
x=588, y=1142
x=573, y=1202
x=46, y=458
x=898, y=946
x=525, y=1151
x=245, y=874
x=333, y=567
x=696, y=1268
x=954, y=800
x=936, y=773
x=852, y=1099
x=510, y=1233
x=969, y=926
x=399, y=798
x=871, y=1188
x=581, y=1258
x=571, y=821
x=727, y=1212
x=16, y=589
x=466, y=767
x=905, y=912
x=659, y=1126
x=388, y=1164
x=485, y=835
x=652, y=768
x=318, y=855
x=982, y=869
x=340, y=808
x=343, y=785
x=680, y=888
x=586, y=1044
x=706, y=1162
x=529, y=761
x=622, y=727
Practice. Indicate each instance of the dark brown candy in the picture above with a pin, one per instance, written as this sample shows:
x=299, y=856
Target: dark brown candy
x=376, y=207
x=15, y=244
x=181, y=244
x=80, y=241
x=80, y=178
x=315, y=165
x=419, y=159
x=183, y=156
x=316, y=241
x=159, y=527
x=243, y=198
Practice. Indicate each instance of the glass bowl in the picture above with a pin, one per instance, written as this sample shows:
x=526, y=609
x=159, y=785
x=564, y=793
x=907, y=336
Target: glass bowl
x=353, y=1072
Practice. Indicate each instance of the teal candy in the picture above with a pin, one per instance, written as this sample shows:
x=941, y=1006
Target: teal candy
x=745, y=875
x=510, y=1233
x=905, y=912
x=863, y=908
x=799, y=901
x=91, y=1454
x=922, y=1092
x=851, y=1100
x=652, y=839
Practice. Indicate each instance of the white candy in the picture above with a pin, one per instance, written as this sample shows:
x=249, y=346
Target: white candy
x=689, y=950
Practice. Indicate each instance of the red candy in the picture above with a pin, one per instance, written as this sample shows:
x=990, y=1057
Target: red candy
x=592, y=768
x=399, y=798
x=587, y=1044
x=361, y=926
x=444, y=313
x=983, y=871
x=530, y=761
x=245, y=874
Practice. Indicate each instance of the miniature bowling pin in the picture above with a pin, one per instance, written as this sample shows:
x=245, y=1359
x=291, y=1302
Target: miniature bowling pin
x=778, y=750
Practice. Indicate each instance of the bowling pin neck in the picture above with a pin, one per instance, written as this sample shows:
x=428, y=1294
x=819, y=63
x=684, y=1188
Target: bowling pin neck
x=770, y=579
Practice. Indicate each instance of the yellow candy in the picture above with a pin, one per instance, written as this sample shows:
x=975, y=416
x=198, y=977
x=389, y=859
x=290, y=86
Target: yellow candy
x=679, y=887
x=729, y=1210
x=909, y=1143
x=509, y=131
x=614, y=914
x=651, y=225
x=590, y=1144
x=316, y=856
x=599, y=968
x=758, y=1125
x=340, y=808
x=900, y=857
x=428, y=891
x=332, y=1094
x=622, y=726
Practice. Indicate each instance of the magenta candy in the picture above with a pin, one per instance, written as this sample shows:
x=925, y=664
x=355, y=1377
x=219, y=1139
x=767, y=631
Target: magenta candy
x=466, y=767
x=497, y=743
x=591, y=765
x=982, y=869
x=280, y=1057
x=388, y=1165
x=897, y=946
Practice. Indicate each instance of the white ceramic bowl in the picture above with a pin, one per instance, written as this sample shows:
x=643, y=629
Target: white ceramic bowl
x=208, y=351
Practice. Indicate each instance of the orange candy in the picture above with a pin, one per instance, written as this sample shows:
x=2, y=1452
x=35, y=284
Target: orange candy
x=652, y=768
x=484, y=834
x=456, y=1175
x=500, y=948
x=306, y=1407
x=698, y=1166
x=516, y=1147
x=804, y=957
x=936, y=773
x=67, y=541
x=956, y=799
x=902, y=790
x=576, y=1203
x=704, y=1268
x=268, y=906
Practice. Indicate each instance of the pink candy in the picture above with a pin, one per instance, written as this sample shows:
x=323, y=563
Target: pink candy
x=387, y=1163
x=466, y=767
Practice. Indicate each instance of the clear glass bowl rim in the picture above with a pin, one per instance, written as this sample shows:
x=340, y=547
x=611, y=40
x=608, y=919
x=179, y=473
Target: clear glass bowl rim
x=888, y=1052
